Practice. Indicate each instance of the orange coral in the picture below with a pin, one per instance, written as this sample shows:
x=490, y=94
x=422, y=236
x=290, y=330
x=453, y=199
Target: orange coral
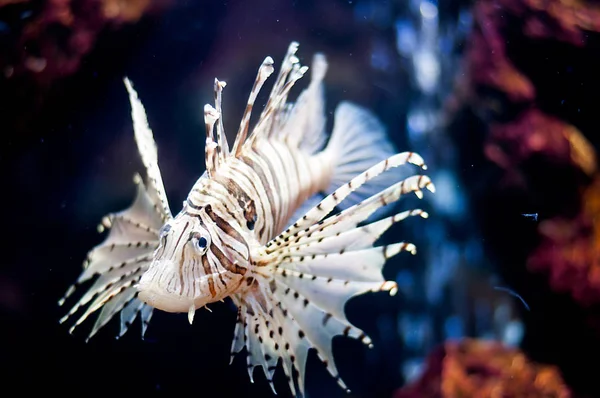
x=484, y=369
x=571, y=16
x=124, y=10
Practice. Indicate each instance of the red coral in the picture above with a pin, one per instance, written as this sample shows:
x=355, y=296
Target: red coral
x=569, y=248
x=533, y=132
x=489, y=65
x=53, y=43
x=484, y=369
x=487, y=61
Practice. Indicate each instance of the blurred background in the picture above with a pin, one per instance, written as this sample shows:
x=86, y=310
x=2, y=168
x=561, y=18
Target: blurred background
x=499, y=97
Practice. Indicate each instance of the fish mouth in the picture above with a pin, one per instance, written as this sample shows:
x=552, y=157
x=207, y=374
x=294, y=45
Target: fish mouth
x=164, y=301
x=155, y=295
x=151, y=293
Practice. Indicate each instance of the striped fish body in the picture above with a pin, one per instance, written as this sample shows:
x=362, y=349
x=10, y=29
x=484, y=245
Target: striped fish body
x=261, y=190
x=259, y=227
x=245, y=204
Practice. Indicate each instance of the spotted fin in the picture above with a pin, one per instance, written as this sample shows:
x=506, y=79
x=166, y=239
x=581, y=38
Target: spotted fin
x=307, y=275
x=119, y=261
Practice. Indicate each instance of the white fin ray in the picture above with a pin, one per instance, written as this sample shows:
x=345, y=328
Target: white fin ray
x=223, y=151
x=320, y=241
x=306, y=206
x=317, y=327
x=322, y=209
x=276, y=336
x=237, y=345
x=265, y=70
x=292, y=349
x=265, y=124
x=145, y=316
x=348, y=219
x=113, y=275
x=366, y=263
x=270, y=348
x=112, y=307
x=255, y=355
x=257, y=332
x=318, y=265
x=129, y=313
x=211, y=156
x=332, y=294
x=305, y=124
x=274, y=101
x=126, y=253
x=106, y=258
x=110, y=293
x=133, y=236
x=148, y=151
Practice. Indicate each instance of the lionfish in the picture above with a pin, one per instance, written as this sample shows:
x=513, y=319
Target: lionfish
x=256, y=226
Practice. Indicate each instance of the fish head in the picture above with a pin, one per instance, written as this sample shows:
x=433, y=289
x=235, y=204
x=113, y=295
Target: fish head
x=186, y=269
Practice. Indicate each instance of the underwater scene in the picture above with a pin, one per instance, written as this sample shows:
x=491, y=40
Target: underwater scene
x=300, y=198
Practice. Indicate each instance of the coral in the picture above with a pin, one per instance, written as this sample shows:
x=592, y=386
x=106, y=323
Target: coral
x=56, y=37
x=534, y=132
x=565, y=20
x=523, y=139
x=487, y=62
x=482, y=369
x=569, y=247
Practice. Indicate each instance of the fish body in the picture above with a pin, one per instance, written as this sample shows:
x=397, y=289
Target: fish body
x=258, y=226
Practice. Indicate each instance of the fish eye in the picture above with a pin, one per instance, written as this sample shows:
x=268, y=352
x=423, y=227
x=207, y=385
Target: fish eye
x=199, y=241
x=202, y=243
x=164, y=229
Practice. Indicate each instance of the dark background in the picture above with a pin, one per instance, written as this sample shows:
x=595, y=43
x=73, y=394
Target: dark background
x=68, y=157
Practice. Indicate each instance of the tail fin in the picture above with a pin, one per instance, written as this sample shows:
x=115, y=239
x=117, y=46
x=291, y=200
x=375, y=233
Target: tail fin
x=317, y=265
x=358, y=141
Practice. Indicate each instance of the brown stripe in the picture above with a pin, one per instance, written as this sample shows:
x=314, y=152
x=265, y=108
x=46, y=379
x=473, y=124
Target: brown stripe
x=181, y=263
x=207, y=271
x=275, y=174
x=224, y=261
x=263, y=179
x=234, y=189
x=206, y=191
x=223, y=225
x=243, y=200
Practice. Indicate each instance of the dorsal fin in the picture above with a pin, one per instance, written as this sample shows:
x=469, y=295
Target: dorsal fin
x=147, y=149
x=265, y=70
x=223, y=150
x=303, y=124
x=210, y=149
x=290, y=73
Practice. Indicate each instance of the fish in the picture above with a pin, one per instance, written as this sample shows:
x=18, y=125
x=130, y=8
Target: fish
x=533, y=216
x=281, y=223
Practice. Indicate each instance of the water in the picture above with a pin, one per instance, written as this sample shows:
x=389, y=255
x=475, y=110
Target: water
x=504, y=115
